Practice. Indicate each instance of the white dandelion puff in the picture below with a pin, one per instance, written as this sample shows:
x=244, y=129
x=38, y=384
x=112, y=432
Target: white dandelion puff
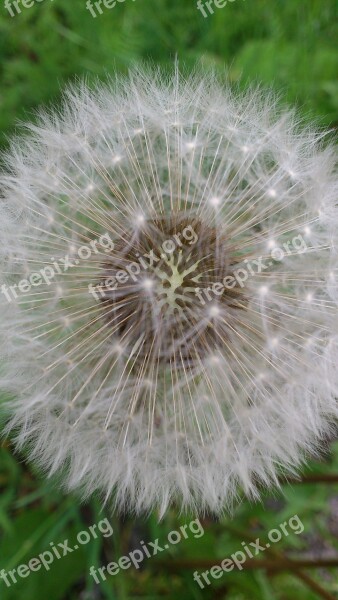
x=170, y=293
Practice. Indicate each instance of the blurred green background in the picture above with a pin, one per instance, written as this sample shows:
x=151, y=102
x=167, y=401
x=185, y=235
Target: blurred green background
x=289, y=45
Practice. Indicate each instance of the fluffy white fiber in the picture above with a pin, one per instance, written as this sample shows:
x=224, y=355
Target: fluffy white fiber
x=150, y=400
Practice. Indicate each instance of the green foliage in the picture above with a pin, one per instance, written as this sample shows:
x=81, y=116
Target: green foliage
x=286, y=44
x=289, y=45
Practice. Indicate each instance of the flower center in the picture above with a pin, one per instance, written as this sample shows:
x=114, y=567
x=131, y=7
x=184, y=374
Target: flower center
x=151, y=288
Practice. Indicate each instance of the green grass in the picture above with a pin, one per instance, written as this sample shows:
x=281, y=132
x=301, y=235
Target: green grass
x=286, y=44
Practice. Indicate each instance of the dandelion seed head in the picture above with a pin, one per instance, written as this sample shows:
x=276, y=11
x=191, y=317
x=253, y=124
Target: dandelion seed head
x=173, y=361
